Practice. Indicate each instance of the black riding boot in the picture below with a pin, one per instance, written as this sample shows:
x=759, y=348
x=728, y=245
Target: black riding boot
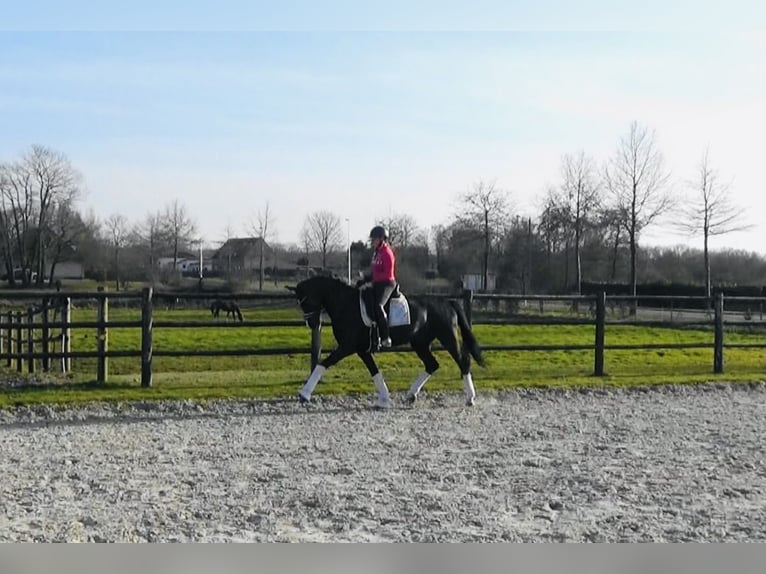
x=382, y=321
x=382, y=293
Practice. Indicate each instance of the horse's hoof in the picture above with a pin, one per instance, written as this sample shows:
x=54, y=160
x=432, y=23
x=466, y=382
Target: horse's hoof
x=410, y=399
x=470, y=401
x=382, y=404
x=303, y=400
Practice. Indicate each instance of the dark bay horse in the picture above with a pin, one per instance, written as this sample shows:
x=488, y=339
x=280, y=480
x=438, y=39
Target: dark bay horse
x=232, y=309
x=430, y=318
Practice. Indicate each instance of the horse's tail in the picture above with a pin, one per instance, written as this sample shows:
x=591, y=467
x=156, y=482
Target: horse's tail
x=470, y=343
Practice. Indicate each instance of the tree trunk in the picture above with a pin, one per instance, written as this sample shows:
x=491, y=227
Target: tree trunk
x=117, y=269
x=614, y=254
x=260, y=269
x=708, y=285
x=634, y=302
x=632, y=264
x=485, y=277
x=578, y=264
x=529, y=256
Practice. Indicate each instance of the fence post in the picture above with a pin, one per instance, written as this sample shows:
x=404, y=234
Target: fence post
x=30, y=340
x=718, y=339
x=316, y=344
x=598, y=366
x=468, y=305
x=2, y=336
x=19, y=342
x=146, y=337
x=102, y=337
x=46, y=333
x=9, y=337
x=66, y=335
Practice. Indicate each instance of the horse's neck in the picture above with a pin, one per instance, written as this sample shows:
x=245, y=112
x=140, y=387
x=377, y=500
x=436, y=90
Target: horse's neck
x=333, y=299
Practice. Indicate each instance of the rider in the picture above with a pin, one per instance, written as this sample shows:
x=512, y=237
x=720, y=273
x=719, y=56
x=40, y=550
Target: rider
x=383, y=279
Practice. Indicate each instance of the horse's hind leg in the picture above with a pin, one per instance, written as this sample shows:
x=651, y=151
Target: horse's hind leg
x=384, y=398
x=430, y=365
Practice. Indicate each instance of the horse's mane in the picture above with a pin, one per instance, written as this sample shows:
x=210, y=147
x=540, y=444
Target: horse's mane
x=327, y=279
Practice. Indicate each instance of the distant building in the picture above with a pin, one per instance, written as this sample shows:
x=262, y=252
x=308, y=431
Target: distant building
x=185, y=263
x=473, y=281
x=240, y=254
x=68, y=270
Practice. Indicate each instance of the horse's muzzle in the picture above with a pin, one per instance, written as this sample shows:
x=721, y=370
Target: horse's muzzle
x=312, y=319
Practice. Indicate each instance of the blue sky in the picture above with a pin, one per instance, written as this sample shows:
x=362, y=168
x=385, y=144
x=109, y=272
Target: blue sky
x=307, y=115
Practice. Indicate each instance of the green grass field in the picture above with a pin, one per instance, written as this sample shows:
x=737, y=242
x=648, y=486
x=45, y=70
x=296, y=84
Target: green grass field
x=273, y=376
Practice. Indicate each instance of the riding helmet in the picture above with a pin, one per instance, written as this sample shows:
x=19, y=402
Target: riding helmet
x=379, y=232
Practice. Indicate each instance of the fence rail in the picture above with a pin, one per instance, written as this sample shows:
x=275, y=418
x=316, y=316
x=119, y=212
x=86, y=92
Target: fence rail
x=18, y=342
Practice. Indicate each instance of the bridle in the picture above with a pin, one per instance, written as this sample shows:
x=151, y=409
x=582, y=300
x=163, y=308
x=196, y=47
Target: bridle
x=309, y=314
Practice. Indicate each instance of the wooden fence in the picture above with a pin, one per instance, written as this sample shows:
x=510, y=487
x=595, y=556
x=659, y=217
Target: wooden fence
x=18, y=328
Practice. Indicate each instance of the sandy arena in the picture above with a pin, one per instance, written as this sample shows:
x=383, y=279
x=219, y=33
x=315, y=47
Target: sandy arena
x=671, y=463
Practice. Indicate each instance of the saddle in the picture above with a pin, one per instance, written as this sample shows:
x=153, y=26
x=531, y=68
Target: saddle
x=397, y=308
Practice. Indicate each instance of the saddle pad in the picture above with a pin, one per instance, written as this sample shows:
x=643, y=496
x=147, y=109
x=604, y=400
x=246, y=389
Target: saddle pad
x=398, y=313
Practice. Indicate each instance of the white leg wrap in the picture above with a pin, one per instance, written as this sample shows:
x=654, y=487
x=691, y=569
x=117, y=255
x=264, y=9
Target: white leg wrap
x=470, y=392
x=418, y=384
x=316, y=376
x=383, y=400
x=380, y=385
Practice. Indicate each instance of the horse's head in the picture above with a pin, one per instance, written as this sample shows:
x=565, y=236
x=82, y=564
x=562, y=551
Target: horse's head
x=310, y=302
x=319, y=293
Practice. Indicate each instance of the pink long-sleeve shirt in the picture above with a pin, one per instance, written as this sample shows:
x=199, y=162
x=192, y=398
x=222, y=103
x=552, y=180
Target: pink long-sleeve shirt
x=383, y=262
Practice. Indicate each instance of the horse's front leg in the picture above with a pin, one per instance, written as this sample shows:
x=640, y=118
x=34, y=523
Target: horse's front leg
x=316, y=375
x=384, y=398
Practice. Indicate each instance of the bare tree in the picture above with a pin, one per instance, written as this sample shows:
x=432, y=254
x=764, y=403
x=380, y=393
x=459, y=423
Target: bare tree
x=439, y=243
x=117, y=229
x=55, y=182
x=710, y=211
x=151, y=234
x=179, y=226
x=322, y=230
x=402, y=229
x=15, y=218
x=485, y=208
x=637, y=182
x=610, y=222
x=32, y=189
x=65, y=231
x=555, y=230
x=90, y=245
x=260, y=227
x=581, y=196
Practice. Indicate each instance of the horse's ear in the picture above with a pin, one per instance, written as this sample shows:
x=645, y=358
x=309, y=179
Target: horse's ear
x=290, y=288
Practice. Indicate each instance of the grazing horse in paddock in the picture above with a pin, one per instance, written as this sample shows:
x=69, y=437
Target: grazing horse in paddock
x=232, y=309
x=428, y=319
